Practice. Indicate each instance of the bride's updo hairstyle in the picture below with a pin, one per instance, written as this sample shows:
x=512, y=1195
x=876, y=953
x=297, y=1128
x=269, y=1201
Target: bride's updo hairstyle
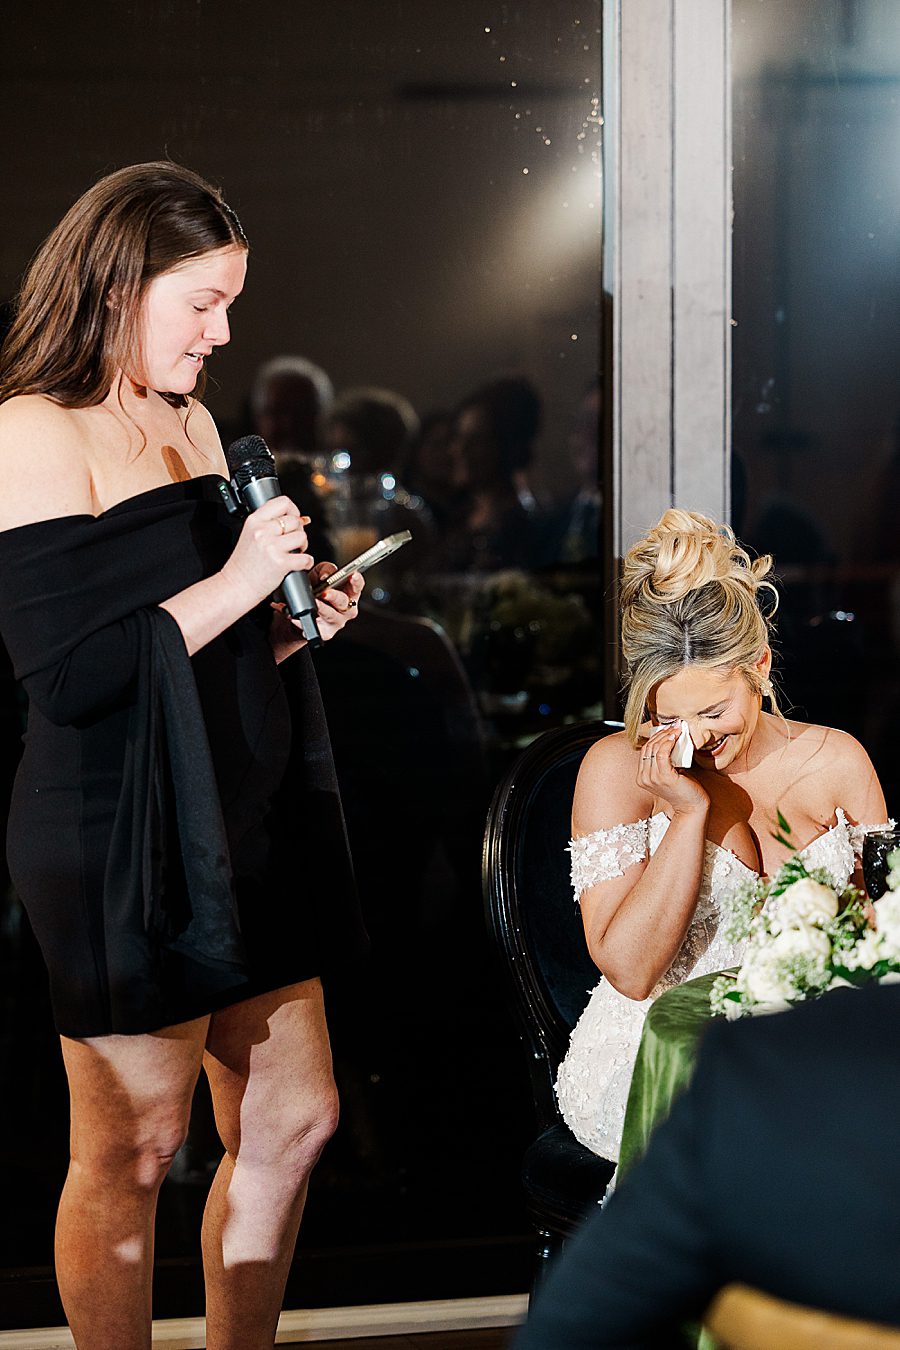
x=691, y=596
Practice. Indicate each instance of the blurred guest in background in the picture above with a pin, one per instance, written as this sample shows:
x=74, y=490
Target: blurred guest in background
x=575, y=530
x=500, y=524
x=287, y=401
x=367, y=434
x=289, y=397
x=374, y=426
x=428, y=471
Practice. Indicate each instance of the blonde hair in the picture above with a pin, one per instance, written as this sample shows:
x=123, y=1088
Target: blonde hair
x=690, y=596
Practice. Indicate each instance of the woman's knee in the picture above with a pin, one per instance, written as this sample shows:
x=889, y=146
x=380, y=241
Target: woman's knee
x=291, y=1137
x=300, y=1137
x=134, y=1155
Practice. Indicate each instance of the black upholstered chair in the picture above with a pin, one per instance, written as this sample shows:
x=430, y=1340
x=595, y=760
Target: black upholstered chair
x=537, y=928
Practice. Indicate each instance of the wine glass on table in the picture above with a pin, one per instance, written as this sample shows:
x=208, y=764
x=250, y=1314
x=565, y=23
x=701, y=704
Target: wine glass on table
x=878, y=845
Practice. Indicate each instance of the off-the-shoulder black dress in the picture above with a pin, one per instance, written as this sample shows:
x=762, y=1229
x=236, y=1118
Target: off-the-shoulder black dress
x=176, y=847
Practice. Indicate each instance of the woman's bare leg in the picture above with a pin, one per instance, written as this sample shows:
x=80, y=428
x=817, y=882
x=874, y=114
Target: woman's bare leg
x=269, y=1066
x=130, y=1101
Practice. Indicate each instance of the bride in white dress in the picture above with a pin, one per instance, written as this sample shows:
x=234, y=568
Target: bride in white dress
x=656, y=847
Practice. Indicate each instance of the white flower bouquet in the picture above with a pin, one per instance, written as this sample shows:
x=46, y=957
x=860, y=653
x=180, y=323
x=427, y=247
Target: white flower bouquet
x=805, y=937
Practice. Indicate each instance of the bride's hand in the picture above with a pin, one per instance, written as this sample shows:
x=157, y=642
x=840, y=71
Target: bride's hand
x=657, y=774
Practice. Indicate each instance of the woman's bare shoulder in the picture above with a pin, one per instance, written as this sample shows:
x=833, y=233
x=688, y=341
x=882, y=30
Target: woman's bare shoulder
x=43, y=461
x=828, y=747
x=606, y=792
x=38, y=412
x=839, y=766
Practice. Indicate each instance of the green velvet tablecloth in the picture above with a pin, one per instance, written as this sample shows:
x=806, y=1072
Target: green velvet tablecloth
x=664, y=1063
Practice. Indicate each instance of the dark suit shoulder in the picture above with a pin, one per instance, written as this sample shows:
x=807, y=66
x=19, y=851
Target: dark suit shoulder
x=823, y=1027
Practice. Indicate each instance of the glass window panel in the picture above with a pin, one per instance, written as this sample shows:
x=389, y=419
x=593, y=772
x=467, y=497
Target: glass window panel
x=816, y=363
x=420, y=184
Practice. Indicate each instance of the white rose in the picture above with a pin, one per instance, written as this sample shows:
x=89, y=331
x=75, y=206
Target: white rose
x=802, y=940
x=887, y=923
x=805, y=902
x=760, y=979
x=866, y=953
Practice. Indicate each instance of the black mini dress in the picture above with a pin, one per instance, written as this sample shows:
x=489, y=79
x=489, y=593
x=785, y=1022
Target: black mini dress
x=176, y=847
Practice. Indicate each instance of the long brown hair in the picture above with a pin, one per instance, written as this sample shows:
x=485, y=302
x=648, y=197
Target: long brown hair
x=77, y=315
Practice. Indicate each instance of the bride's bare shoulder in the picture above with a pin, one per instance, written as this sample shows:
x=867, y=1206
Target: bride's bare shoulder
x=610, y=754
x=808, y=741
x=836, y=761
x=606, y=792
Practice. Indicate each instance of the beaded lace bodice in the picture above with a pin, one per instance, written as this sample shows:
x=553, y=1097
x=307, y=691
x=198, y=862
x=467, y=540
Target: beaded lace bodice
x=594, y=1078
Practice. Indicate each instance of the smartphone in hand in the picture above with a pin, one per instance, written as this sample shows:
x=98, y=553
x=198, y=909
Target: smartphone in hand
x=376, y=554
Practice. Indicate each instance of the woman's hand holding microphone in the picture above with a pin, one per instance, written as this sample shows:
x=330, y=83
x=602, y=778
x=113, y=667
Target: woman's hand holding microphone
x=272, y=543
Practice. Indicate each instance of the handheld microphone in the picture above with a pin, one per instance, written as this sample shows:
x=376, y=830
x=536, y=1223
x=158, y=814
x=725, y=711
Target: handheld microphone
x=255, y=481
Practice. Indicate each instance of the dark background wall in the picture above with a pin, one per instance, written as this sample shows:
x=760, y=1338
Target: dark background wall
x=375, y=151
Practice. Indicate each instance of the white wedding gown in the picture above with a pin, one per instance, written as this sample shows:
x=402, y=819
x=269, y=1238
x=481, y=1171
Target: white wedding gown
x=594, y=1078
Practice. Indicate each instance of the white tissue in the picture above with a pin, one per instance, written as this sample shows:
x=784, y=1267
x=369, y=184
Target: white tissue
x=683, y=750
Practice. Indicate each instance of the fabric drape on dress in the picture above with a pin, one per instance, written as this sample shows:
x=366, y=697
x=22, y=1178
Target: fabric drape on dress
x=78, y=618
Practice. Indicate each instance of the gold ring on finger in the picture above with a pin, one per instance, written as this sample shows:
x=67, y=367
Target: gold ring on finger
x=281, y=524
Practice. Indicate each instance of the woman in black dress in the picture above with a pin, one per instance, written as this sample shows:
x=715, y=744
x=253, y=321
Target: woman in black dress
x=184, y=909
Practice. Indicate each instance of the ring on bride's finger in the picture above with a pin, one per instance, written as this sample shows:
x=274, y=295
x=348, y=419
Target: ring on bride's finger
x=281, y=525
